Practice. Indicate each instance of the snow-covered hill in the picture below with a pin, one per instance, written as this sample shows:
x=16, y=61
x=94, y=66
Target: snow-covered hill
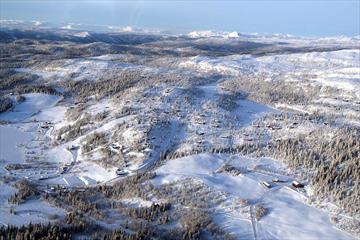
x=227, y=121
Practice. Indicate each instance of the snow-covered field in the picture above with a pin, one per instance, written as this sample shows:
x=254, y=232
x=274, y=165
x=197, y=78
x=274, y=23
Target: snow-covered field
x=18, y=142
x=289, y=217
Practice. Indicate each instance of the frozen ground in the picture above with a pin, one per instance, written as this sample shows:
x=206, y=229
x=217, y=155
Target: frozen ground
x=289, y=217
x=32, y=211
x=23, y=140
x=338, y=69
x=16, y=141
x=177, y=107
x=11, y=139
x=35, y=103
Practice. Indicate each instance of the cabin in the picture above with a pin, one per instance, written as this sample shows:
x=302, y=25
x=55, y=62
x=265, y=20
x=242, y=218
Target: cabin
x=121, y=172
x=297, y=184
x=181, y=115
x=154, y=121
x=266, y=184
x=72, y=148
x=277, y=180
x=63, y=169
x=43, y=178
x=199, y=141
x=116, y=146
x=51, y=191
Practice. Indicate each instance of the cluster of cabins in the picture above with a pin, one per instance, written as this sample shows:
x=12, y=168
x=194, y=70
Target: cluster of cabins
x=294, y=183
x=46, y=125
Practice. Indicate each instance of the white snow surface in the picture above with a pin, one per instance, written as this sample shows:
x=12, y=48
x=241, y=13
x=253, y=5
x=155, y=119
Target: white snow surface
x=289, y=217
x=211, y=34
x=32, y=211
x=339, y=69
x=33, y=104
x=23, y=139
x=92, y=68
x=10, y=139
x=82, y=34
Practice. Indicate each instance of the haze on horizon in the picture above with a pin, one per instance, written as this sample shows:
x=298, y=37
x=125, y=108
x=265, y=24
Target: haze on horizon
x=302, y=18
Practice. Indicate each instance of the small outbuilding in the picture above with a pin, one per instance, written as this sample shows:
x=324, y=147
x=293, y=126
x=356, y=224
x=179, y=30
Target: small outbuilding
x=297, y=184
x=121, y=172
x=266, y=184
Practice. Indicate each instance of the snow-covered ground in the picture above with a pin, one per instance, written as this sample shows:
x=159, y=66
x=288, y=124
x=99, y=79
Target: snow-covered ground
x=149, y=125
x=289, y=216
x=32, y=211
x=11, y=138
x=92, y=68
x=34, y=103
x=19, y=140
x=26, y=139
x=339, y=69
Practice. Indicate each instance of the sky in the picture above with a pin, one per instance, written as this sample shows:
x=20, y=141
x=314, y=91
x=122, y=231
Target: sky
x=296, y=17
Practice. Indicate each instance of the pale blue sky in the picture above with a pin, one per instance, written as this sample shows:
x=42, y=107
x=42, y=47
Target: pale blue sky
x=304, y=18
